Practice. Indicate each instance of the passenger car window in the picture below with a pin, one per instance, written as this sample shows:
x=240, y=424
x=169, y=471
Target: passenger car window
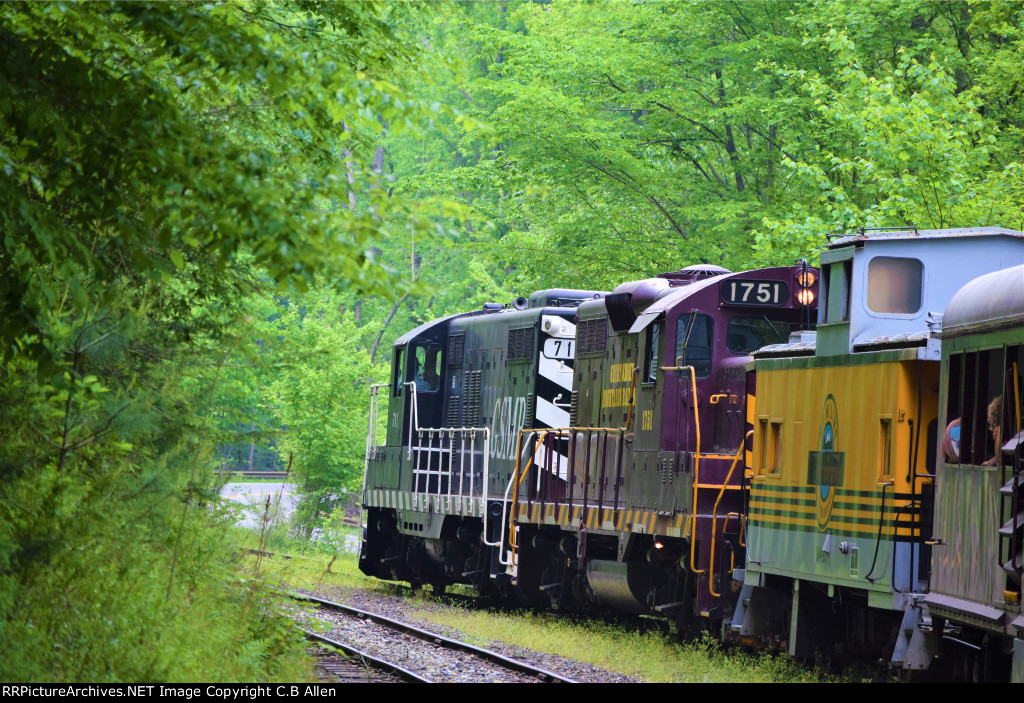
x=977, y=421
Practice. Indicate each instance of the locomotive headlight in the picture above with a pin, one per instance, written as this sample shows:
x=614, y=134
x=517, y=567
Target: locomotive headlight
x=806, y=279
x=557, y=327
x=805, y=297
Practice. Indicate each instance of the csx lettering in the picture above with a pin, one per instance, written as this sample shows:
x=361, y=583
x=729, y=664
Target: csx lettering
x=509, y=417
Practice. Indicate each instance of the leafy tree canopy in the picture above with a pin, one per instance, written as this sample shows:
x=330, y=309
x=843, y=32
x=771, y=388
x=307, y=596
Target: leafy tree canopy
x=137, y=136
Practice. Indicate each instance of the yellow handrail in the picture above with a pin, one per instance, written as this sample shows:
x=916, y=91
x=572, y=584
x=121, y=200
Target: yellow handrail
x=513, y=543
x=1016, y=394
x=520, y=472
x=714, y=513
x=697, y=484
x=696, y=461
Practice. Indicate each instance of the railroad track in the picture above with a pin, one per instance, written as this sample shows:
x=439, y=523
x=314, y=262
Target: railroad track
x=431, y=656
x=355, y=666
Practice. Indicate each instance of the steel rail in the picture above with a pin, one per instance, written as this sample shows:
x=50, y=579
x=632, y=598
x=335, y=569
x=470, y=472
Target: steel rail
x=433, y=637
x=368, y=660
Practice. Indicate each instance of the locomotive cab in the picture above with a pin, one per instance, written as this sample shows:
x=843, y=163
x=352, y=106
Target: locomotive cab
x=418, y=371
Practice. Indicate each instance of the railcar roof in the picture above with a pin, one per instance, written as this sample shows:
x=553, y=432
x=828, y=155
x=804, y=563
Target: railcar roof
x=990, y=301
x=880, y=235
x=412, y=334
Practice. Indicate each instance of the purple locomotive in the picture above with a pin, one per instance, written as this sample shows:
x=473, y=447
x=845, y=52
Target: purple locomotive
x=639, y=505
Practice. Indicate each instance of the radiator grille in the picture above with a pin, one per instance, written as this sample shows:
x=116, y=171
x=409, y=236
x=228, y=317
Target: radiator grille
x=456, y=348
x=520, y=344
x=592, y=337
x=454, y=411
x=471, y=413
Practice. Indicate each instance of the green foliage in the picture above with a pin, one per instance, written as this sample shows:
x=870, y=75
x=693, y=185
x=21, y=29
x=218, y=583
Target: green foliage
x=921, y=155
x=92, y=505
x=195, y=130
x=155, y=155
x=318, y=392
x=621, y=139
x=170, y=168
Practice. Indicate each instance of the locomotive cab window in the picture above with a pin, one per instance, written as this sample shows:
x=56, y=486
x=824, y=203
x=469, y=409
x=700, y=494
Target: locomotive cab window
x=396, y=372
x=652, y=353
x=426, y=366
x=694, y=335
x=894, y=285
x=745, y=334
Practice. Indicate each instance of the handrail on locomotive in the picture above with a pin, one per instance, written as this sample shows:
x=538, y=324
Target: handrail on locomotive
x=539, y=438
x=422, y=476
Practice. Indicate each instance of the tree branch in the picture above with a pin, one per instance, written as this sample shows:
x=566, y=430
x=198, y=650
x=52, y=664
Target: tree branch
x=380, y=335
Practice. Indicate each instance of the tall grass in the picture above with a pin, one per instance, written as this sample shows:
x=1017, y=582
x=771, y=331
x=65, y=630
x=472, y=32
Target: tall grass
x=648, y=656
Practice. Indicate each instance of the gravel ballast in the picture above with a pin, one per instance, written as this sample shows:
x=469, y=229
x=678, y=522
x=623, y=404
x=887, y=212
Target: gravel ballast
x=438, y=664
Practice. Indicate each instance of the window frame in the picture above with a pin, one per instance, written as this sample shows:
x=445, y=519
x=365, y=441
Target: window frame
x=868, y=288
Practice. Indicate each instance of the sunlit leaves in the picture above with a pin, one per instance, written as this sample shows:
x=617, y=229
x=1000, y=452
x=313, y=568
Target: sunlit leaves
x=901, y=147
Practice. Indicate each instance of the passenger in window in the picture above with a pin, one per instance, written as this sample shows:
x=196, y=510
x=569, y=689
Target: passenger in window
x=995, y=413
x=951, y=442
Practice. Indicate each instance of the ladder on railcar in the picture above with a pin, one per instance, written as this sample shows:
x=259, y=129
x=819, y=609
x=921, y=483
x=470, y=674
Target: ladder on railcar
x=1011, y=534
